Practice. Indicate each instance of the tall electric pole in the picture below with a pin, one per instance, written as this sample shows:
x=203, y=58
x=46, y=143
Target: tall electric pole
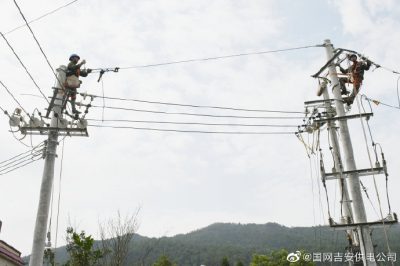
x=347, y=214
x=352, y=180
x=42, y=217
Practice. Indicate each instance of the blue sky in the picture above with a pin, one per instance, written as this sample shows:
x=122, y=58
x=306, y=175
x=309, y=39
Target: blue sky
x=186, y=181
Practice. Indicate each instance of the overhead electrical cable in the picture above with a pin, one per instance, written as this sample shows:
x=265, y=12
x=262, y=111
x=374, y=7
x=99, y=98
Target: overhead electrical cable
x=373, y=177
x=36, y=40
x=196, y=106
x=15, y=99
x=196, y=131
x=195, y=114
x=220, y=57
x=190, y=123
x=59, y=194
x=377, y=102
x=17, y=162
x=24, y=153
x=26, y=69
x=42, y=16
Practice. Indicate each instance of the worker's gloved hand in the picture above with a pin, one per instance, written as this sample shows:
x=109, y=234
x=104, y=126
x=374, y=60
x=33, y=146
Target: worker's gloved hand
x=88, y=70
x=83, y=62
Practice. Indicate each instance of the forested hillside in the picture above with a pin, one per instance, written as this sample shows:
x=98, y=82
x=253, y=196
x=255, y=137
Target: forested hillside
x=238, y=242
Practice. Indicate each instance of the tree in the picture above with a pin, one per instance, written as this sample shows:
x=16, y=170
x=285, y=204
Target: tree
x=277, y=258
x=225, y=262
x=116, y=235
x=49, y=257
x=239, y=263
x=80, y=249
x=163, y=261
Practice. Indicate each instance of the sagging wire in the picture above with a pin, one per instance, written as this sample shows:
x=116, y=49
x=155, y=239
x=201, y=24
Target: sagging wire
x=192, y=123
x=59, y=194
x=373, y=177
x=195, y=114
x=37, y=42
x=369, y=199
x=18, y=162
x=16, y=156
x=40, y=17
x=25, y=68
x=375, y=145
x=369, y=128
x=196, y=105
x=15, y=99
x=322, y=169
x=199, y=131
x=377, y=102
x=221, y=57
x=384, y=164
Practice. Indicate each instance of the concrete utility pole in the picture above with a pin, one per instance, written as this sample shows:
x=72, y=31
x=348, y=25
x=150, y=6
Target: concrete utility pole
x=352, y=181
x=42, y=217
x=339, y=168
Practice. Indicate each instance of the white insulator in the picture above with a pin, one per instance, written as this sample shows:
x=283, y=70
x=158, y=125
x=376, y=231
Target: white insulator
x=34, y=122
x=15, y=120
x=82, y=123
x=62, y=123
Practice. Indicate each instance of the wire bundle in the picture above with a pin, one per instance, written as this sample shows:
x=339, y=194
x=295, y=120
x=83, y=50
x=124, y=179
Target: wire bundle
x=23, y=159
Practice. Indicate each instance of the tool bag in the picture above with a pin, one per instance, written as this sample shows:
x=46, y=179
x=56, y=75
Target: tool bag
x=73, y=82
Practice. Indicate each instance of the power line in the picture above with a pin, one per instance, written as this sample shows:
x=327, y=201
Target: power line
x=4, y=111
x=15, y=99
x=220, y=57
x=379, y=102
x=195, y=106
x=190, y=123
x=20, y=166
x=21, y=159
x=19, y=162
x=40, y=17
x=23, y=65
x=194, y=114
x=36, y=40
x=197, y=131
x=16, y=156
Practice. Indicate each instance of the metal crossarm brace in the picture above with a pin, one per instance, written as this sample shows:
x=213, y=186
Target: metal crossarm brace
x=352, y=226
x=360, y=172
x=336, y=118
x=79, y=132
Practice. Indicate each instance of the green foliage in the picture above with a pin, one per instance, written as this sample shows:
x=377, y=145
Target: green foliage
x=239, y=263
x=49, y=257
x=80, y=249
x=239, y=242
x=277, y=258
x=225, y=262
x=163, y=261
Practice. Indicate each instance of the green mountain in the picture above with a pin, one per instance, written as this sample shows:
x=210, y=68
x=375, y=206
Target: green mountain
x=238, y=242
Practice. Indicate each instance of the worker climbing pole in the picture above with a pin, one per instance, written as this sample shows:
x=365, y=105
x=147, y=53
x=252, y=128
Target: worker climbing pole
x=355, y=76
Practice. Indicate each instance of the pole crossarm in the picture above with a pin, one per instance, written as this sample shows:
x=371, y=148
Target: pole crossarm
x=360, y=172
x=346, y=117
x=389, y=220
x=73, y=132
